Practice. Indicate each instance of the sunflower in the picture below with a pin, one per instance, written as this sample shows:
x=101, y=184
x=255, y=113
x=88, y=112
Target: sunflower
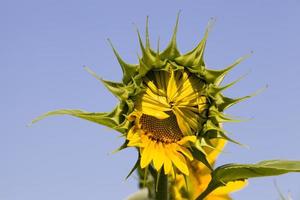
x=171, y=106
x=167, y=115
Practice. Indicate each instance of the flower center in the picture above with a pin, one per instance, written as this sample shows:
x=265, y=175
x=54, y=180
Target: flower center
x=161, y=130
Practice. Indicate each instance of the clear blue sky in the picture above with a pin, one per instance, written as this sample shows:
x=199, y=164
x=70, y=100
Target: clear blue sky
x=45, y=43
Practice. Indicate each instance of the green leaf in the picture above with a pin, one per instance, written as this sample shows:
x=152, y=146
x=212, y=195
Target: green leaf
x=234, y=172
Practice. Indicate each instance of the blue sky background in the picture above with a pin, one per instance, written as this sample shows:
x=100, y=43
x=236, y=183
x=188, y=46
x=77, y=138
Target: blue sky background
x=45, y=43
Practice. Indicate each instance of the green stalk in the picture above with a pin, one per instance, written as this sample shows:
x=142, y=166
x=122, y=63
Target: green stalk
x=162, y=192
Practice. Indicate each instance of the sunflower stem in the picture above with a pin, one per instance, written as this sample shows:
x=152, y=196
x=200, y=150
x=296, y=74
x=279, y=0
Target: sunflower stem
x=162, y=187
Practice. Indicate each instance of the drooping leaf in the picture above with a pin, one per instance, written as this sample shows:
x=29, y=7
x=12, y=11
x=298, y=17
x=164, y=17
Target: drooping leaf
x=236, y=172
x=110, y=120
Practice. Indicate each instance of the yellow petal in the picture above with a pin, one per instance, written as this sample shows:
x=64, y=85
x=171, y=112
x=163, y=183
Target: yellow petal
x=191, y=118
x=186, y=139
x=130, y=133
x=222, y=197
x=162, y=100
x=230, y=187
x=191, y=108
x=185, y=152
x=133, y=137
x=181, y=120
x=155, y=113
x=189, y=88
x=167, y=162
x=159, y=157
x=178, y=160
x=147, y=102
x=153, y=87
x=180, y=80
x=189, y=100
x=172, y=87
x=161, y=80
x=135, y=141
x=147, y=154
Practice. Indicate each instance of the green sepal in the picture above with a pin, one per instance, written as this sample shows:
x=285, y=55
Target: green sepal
x=143, y=69
x=129, y=70
x=235, y=172
x=203, y=142
x=200, y=156
x=217, y=76
x=221, y=134
x=228, y=102
x=175, y=66
x=120, y=90
x=209, y=126
x=149, y=58
x=120, y=148
x=195, y=56
x=172, y=52
x=147, y=34
x=210, y=130
x=136, y=165
x=124, y=126
x=213, y=90
x=148, y=40
x=215, y=115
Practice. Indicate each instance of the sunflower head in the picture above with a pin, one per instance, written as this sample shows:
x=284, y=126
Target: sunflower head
x=171, y=106
x=179, y=107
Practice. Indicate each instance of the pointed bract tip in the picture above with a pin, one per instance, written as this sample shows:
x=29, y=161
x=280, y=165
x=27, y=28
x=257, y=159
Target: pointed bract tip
x=259, y=91
x=211, y=22
x=147, y=33
x=234, y=82
x=175, y=28
x=158, y=44
x=92, y=73
x=140, y=40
